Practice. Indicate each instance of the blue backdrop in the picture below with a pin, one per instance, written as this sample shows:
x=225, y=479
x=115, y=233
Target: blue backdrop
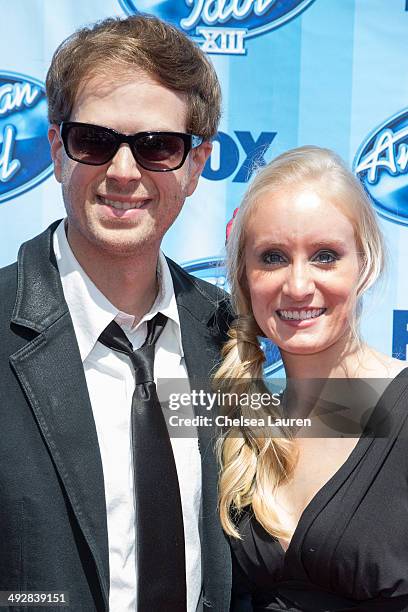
x=293, y=72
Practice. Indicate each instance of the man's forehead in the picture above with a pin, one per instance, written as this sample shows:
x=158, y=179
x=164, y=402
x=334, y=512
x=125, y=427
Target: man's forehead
x=103, y=80
x=129, y=100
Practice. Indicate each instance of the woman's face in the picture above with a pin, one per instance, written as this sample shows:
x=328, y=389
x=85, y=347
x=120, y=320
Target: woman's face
x=302, y=269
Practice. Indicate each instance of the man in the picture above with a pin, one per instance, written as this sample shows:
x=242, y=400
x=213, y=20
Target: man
x=133, y=105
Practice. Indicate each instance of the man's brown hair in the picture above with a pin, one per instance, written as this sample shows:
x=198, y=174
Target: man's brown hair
x=144, y=43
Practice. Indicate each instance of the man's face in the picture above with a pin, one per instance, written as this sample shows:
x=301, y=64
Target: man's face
x=120, y=208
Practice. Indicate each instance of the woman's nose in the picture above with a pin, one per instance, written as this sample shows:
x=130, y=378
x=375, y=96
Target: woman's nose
x=299, y=283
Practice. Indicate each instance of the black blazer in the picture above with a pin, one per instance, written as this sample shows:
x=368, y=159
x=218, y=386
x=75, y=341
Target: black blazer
x=53, y=529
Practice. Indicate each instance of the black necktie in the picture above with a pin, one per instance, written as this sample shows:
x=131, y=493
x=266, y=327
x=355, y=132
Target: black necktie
x=160, y=557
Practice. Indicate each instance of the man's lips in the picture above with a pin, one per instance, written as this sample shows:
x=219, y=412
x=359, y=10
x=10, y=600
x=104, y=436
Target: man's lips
x=122, y=202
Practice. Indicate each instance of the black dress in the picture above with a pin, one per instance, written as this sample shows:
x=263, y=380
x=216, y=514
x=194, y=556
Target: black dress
x=350, y=548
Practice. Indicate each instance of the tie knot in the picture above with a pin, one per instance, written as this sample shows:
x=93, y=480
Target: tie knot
x=142, y=359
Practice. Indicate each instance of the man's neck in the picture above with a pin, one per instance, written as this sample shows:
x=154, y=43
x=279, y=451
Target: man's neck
x=128, y=281
x=132, y=290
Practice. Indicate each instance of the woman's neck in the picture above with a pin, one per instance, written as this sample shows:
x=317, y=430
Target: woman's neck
x=341, y=360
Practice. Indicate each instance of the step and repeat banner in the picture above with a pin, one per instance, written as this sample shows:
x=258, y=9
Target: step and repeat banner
x=293, y=72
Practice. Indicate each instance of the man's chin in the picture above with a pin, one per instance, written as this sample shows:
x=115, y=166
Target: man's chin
x=126, y=240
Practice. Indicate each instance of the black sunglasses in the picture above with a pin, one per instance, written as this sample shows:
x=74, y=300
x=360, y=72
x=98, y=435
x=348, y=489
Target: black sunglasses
x=155, y=151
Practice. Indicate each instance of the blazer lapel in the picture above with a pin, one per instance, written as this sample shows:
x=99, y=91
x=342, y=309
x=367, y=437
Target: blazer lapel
x=204, y=321
x=50, y=370
x=201, y=353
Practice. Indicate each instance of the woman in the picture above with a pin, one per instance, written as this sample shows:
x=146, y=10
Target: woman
x=315, y=523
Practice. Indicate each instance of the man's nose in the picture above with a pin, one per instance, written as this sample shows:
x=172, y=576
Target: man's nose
x=299, y=283
x=123, y=166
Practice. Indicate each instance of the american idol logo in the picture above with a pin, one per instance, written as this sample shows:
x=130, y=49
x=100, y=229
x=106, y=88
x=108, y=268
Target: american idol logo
x=381, y=164
x=212, y=270
x=221, y=26
x=24, y=155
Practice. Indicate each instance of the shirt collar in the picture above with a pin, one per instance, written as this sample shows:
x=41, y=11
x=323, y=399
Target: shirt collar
x=91, y=311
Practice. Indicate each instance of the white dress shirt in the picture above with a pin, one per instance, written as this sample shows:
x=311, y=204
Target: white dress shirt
x=111, y=381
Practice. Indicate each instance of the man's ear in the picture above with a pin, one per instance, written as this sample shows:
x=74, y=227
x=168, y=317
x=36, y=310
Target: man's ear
x=199, y=156
x=56, y=149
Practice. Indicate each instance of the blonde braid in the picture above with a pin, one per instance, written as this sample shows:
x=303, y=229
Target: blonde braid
x=251, y=466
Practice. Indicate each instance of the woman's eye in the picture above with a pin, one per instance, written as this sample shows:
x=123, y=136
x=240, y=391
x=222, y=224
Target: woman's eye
x=273, y=258
x=325, y=257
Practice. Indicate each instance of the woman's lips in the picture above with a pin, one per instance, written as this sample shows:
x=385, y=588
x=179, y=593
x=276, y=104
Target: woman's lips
x=300, y=317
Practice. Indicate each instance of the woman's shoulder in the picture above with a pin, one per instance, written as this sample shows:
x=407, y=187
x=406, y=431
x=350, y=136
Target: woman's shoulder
x=380, y=365
x=397, y=366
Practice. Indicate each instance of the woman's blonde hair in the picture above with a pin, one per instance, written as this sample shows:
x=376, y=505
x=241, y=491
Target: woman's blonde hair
x=252, y=466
